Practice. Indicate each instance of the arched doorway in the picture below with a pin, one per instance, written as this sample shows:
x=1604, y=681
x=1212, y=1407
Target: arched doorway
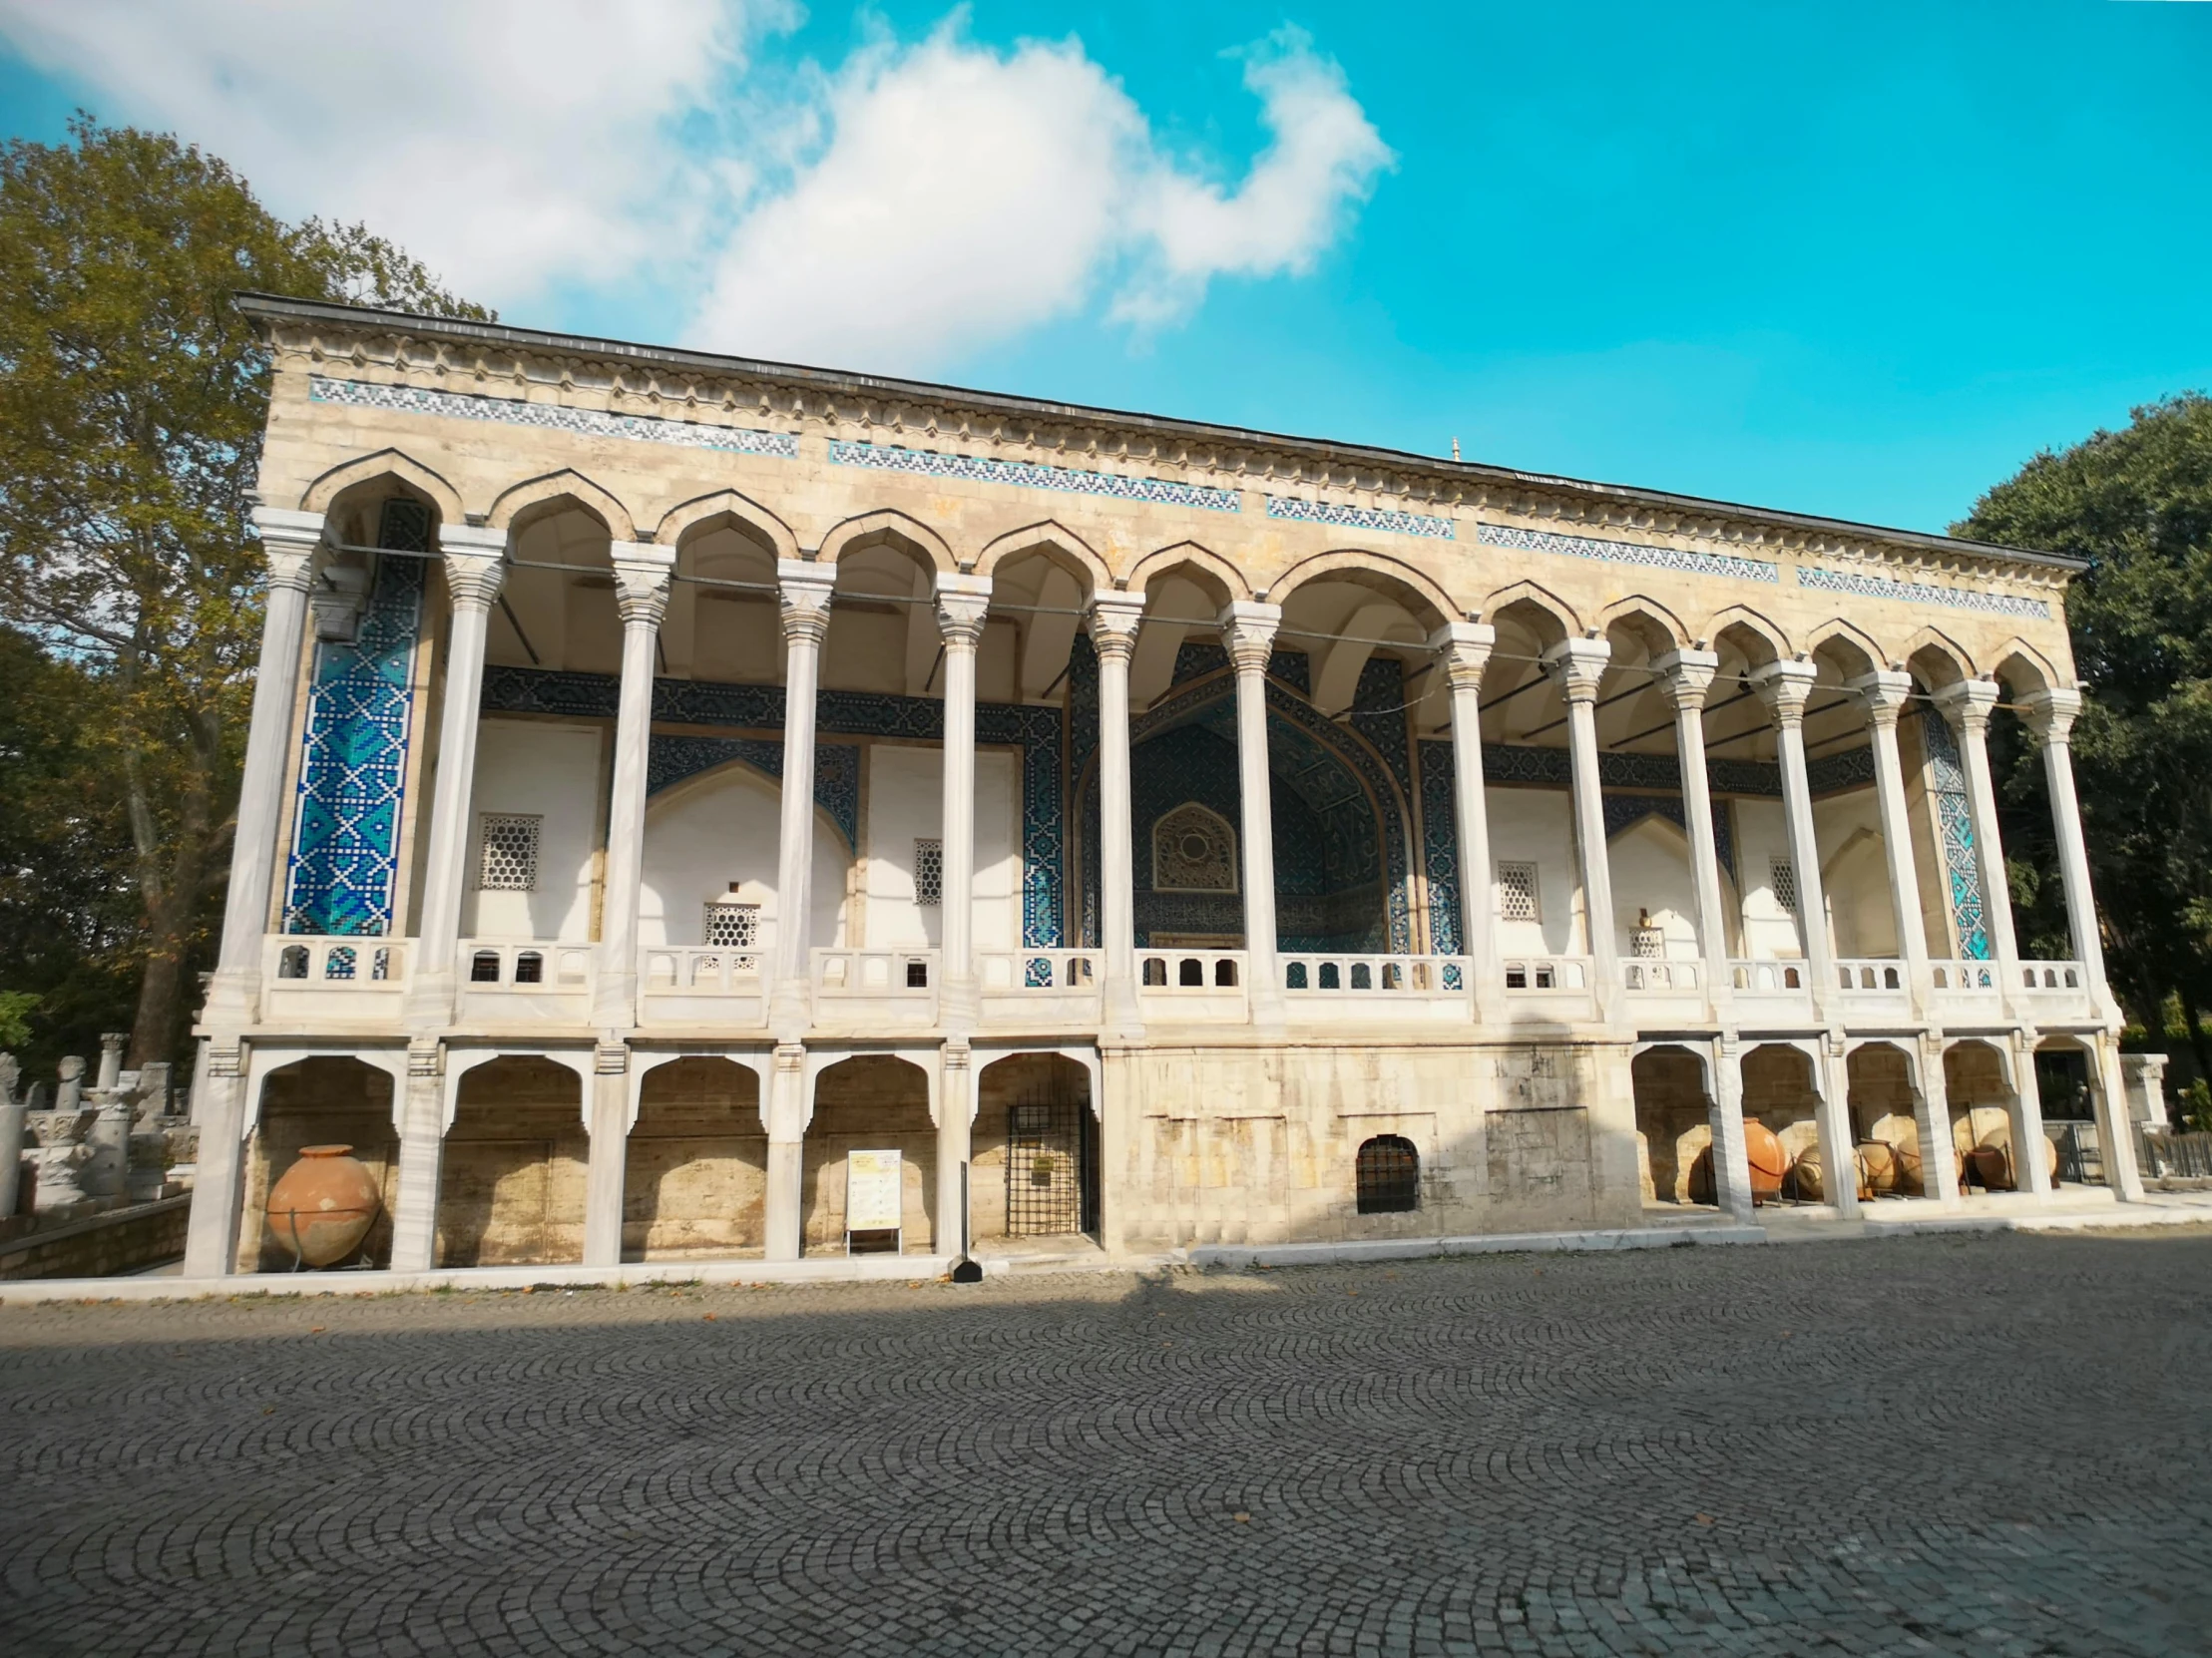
x=1780, y=1091
x=1980, y=1116
x=328, y=1100
x=1885, y=1121
x=695, y=1182
x=870, y=1102
x=1675, y=1126
x=1034, y=1170
x=511, y=1190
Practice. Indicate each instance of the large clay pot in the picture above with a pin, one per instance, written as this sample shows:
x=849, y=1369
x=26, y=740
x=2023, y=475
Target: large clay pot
x=1808, y=1174
x=2050, y=1148
x=1769, y=1162
x=324, y=1205
x=1992, y=1169
x=1878, y=1168
x=1701, y=1178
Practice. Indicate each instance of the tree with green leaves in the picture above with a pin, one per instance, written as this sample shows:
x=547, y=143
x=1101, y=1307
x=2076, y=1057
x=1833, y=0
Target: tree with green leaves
x=132, y=403
x=2137, y=504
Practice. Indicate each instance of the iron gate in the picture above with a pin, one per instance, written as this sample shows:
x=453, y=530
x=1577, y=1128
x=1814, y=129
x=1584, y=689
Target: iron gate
x=1049, y=1180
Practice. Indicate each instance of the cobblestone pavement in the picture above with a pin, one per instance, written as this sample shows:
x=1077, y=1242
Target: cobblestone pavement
x=1935, y=1445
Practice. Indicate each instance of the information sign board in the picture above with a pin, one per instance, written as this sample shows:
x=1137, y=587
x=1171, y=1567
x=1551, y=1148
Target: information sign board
x=872, y=1191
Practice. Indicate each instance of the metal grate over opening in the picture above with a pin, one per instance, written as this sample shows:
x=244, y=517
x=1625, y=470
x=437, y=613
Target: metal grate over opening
x=1387, y=1176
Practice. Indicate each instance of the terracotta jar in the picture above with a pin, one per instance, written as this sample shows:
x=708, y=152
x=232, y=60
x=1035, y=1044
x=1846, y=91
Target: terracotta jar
x=1769, y=1162
x=1808, y=1174
x=1877, y=1168
x=324, y=1205
x=1992, y=1169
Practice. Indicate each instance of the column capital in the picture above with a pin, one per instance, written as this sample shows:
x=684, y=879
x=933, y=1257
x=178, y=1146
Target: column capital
x=1967, y=704
x=1578, y=665
x=1783, y=685
x=1685, y=676
x=289, y=542
x=1883, y=693
x=1248, y=634
x=962, y=602
x=2050, y=714
x=643, y=572
x=1113, y=618
x=1465, y=648
x=475, y=564
x=802, y=593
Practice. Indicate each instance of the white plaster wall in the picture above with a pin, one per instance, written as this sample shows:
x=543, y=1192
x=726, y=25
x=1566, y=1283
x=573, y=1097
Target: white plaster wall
x=1538, y=826
x=1650, y=862
x=906, y=791
x=1762, y=835
x=551, y=771
x=721, y=827
x=1855, y=874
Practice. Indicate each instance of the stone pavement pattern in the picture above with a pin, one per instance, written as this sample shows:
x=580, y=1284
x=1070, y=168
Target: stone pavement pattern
x=1935, y=1445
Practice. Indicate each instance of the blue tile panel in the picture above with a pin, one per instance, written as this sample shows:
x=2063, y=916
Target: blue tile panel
x=353, y=766
x=1920, y=593
x=1627, y=553
x=553, y=417
x=1358, y=518
x=1440, y=847
x=1035, y=731
x=975, y=469
x=1955, y=822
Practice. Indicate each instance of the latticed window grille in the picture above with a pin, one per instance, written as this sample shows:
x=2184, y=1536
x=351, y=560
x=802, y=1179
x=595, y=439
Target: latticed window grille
x=1782, y=878
x=731, y=926
x=1194, y=850
x=1517, y=891
x=929, y=872
x=510, y=862
x=1387, y=1176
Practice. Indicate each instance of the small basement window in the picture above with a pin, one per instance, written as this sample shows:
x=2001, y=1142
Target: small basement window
x=1389, y=1176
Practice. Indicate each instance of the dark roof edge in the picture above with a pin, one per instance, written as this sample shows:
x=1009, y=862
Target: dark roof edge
x=271, y=307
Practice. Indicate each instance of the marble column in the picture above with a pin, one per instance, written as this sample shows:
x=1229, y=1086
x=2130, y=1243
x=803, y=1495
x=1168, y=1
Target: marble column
x=475, y=567
x=2050, y=715
x=1248, y=634
x=642, y=571
x=1684, y=678
x=1784, y=686
x=1465, y=649
x=1579, y=666
x=1732, y=1159
x=421, y=1158
x=1939, y=1152
x=1115, y=619
x=2115, y=1120
x=1966, y=706
x=1883, y=694
x=2031, y=1161
x=1839, y=1150
x=962, y=602
x=219, y=1109
x=803, y=593
x=290, y=544
x=785, y=1119
x=956, y=1116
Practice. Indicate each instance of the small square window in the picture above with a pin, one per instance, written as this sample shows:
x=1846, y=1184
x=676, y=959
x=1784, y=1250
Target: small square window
x=510, y=857
x=929, y=872
x=731, y=926
x=1517, y=891
x=1782, y=878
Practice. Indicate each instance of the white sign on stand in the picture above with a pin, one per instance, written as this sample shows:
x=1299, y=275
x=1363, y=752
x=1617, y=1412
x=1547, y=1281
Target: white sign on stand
x=874, y=1198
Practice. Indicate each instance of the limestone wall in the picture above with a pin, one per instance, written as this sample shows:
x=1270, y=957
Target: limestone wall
x=512, y=1187
x=696, y=1179
x=874, y=1104
x=326, y=1102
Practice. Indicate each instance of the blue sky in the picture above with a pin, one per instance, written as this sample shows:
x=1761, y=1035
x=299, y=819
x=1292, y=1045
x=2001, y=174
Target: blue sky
x=1859, y=260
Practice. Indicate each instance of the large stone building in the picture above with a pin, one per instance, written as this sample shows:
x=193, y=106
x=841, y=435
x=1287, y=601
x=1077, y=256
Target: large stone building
x=672, y=773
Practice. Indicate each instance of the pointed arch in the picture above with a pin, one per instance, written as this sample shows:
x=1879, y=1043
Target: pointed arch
x=1054, y=541
x=1941, y=660
x=322, y=495
x=1535, y=598
x=526, y=500
x=2023, y=669
x=1764, y=629
x=709, y=512
x=1642, y=607
x=886, y=528
x=1850, y=647
x=1431, y=607
x=1218, y=571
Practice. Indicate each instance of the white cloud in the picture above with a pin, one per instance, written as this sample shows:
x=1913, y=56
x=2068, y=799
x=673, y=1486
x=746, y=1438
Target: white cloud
x=510, y=145
x=915, y=203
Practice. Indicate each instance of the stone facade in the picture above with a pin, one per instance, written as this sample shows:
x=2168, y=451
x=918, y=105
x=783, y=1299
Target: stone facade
x=672, y=773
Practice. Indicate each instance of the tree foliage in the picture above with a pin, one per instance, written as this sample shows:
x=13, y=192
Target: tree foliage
x=2137, y=504
x=132, y=402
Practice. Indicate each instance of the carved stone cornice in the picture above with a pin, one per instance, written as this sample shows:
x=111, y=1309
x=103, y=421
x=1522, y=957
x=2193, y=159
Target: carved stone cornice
x=962, y=604
x=1465, y=648
x=1248, y=634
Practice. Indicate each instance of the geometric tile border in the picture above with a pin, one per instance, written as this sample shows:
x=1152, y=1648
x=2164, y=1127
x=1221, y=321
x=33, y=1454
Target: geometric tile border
x=1025, y=475
x=1358, y=518
x=1918, y=592
x=1627, y=553
x=514, y=411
